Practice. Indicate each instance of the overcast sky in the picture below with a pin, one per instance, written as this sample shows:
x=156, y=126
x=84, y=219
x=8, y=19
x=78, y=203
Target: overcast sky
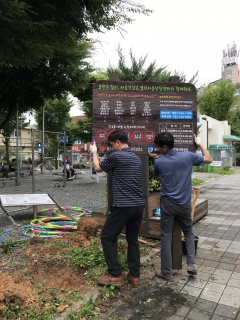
x=184, y=35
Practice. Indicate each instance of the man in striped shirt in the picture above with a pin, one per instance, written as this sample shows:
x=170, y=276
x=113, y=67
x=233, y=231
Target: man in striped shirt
x=126, y=210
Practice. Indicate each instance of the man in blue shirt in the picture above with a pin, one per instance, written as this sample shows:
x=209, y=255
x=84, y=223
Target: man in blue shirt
x=174, y=170
x=126, y=210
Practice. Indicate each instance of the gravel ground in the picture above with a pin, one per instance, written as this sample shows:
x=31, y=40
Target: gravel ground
x=82, y=192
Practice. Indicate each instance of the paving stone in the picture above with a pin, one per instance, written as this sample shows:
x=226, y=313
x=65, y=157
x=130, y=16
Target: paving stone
x=182, y=311
x=230, y=301
x=228, y=260
x=230, y=255
x=226, y=311
x=205, y=305
x=210, y=263
x=192, y=291
x=219, y=279
x=210, y=295
x=216, y=317
x=226, y=266
x=196, y=314
x=237, y=269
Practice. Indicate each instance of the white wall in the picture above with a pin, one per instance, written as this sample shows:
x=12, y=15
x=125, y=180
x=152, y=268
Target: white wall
x=216, y=129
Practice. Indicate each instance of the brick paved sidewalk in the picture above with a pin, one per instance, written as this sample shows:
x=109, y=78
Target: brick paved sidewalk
x=215, y=291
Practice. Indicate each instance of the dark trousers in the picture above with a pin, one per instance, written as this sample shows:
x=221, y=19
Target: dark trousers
x=169, y=211
x=68, y=173
x=117, y=218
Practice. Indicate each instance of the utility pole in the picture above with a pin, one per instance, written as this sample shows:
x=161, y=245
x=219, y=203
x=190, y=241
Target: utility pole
x=42, y=146
x=17, y=172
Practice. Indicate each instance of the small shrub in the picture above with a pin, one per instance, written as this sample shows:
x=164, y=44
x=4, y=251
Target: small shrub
x=238, y=161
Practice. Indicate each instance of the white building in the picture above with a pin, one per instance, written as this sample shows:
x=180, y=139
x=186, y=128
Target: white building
x=217, y=136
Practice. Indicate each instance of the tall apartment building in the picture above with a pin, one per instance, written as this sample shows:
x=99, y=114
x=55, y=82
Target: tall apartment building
x=230, y=67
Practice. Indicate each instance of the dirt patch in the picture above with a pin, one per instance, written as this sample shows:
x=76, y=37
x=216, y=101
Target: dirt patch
x=28, y=274
x=155, y=298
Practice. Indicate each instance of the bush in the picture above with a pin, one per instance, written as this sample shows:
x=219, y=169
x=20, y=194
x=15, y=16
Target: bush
x=238, y=161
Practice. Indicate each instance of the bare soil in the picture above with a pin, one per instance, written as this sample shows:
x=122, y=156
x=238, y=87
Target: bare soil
x=30, y=273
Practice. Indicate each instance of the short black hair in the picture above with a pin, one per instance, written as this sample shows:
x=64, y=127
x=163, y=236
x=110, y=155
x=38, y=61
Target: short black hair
x=164, y=139
x=118, y=135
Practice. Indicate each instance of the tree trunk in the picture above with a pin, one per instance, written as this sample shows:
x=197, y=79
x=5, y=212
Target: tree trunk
x=7, y=143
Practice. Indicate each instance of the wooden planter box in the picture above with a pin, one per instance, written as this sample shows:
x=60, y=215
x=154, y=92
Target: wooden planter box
x=150, y=226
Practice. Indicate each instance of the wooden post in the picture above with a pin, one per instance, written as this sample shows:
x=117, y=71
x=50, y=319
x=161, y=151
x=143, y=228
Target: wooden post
x=109, y=191
x=176, y=246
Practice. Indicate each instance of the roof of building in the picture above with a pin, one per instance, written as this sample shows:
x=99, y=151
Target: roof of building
x=220, y=146
x=230, y=137
x=76, y=118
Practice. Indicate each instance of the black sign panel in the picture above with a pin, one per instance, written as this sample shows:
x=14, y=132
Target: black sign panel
x=142, y=110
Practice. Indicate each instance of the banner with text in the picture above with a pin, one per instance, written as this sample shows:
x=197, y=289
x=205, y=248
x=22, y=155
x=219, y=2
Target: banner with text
x=142, y=110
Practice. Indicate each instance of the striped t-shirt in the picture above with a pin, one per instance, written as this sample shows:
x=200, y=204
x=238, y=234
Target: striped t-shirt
x=126, y=178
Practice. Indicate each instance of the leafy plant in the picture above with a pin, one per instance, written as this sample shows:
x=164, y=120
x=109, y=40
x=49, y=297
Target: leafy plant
x=108, y=292
x=238, y=161
x=154, y=185
x=91, y=260
x=86, y=311
x=196, y=181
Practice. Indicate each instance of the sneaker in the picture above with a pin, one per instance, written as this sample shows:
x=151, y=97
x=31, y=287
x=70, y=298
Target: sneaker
x=166, y=276
x=110, y=280
x=191, y=269
x=135, y=282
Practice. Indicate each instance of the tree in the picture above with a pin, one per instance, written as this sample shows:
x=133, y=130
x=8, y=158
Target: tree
x=33, y=31
x=137, y=70
x=44, y=44
x=9, y=129
x=56, y=119
x=216, y=101
x=25, y=89
x=234, y=120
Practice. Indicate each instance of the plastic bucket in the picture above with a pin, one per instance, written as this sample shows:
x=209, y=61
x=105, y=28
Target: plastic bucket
x=184, y=250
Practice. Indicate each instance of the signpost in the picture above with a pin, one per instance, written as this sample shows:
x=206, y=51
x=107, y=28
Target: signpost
x=143, y=109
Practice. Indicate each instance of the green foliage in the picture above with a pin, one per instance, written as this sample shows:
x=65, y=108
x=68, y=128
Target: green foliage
x=225, y=170
x=56, y=119
x=86, y=311
x=154, y=185
x=216, y=101
x=45, y=44
x=26, y=89
x=91, y=259
x=108, y=292
x=137, y=70
x=238, y=161
x=34, y=32
x=15, y=312
x=81, y=130
x=196, y=181
x=233, y=118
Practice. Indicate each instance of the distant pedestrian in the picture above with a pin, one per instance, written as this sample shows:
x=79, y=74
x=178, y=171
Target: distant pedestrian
x=69, y=168
x=127, y=208
x=175, y=169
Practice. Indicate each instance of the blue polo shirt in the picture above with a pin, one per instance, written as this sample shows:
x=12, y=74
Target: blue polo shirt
x=126, y=178
x=175, y=172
